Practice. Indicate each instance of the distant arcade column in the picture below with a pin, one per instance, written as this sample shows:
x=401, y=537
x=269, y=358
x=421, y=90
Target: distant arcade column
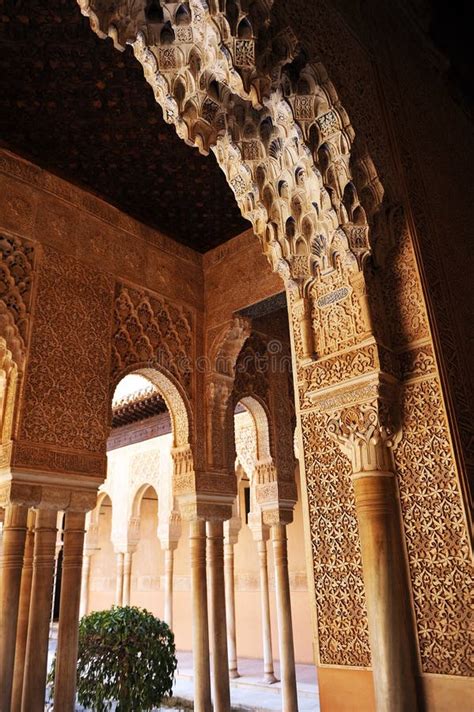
x=202, y=677
x=168, y=607
x=127, y=577
x=230, y=608
x=11, y=564
x=215, y=538
x=23, y=614
x=68, y=632
x=285, y=628
x=119, y=568
x=36, y=658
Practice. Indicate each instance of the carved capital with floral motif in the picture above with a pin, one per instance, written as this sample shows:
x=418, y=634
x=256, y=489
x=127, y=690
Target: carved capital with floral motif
x=366, y=433
x=169, y=530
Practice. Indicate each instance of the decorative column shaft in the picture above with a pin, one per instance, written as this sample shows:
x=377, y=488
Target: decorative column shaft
x=11, y=564
x=268, y=672
x=127, y=577
x=40, y=609
x=365, y=435
x=85, y=582
x=230, y=608
x=68, y=632
x=385, y=591
x=168, y=607
x=202, y=679
x=119, y=566
x=23, y=614
x=215, y=538
x=285, y=628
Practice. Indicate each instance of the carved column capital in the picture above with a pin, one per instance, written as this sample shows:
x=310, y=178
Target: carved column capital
x=169, y=530
x=367, y=434
x=232, y=528
x=45, y=496
x=260, y=531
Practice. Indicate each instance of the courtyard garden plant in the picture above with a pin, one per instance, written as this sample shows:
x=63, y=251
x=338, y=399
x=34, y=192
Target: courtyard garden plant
x=127, y=656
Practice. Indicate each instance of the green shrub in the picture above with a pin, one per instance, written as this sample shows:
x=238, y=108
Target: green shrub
x=125, y=655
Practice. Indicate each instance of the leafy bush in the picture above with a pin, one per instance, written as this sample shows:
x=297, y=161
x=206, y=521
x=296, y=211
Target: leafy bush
x=125, y=655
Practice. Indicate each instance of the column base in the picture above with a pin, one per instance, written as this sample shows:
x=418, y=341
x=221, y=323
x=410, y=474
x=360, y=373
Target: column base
x=234, y=674
x=270, y=679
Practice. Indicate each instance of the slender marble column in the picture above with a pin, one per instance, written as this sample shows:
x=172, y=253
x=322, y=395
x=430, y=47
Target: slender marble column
x=230, y=608
x=119, y=565
x=285, y=628
x=23, y=614
x=393, y=658
x=221, y=697
x=127, y=577
x=68, y=631
x=202, y=680
x=268, y=672
x=168, y=608
x=11, y=564
x=40, y=609
x=85, y=581
x=57, y=553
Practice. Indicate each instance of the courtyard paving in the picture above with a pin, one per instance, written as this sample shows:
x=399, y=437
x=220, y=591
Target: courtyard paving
x=248, y=692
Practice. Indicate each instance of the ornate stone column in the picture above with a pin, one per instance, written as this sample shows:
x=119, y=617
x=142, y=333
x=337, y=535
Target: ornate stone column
x=261, y=534
x=58, y=549
x=127, y=577
x=85, y=582
x=205, y=496
x=168, y=605
x=285, y=629
x=14, y=535
x=202, y=679
x=40, y=610
x=66, y=656
x=276, y=498
x=169, y=532
x=231, y=531
x=365, y=434
x=215, y=539
x=23, y=614
x=91, y=545
x=119, y=568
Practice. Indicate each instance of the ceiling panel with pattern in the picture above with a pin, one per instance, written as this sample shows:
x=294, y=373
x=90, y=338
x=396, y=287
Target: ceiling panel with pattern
x=79, y=108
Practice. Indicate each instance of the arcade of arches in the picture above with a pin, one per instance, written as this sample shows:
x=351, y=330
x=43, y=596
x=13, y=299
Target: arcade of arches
x=285, y=416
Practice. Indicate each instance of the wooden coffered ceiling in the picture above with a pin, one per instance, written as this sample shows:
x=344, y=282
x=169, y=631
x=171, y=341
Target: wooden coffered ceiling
x=77, y=107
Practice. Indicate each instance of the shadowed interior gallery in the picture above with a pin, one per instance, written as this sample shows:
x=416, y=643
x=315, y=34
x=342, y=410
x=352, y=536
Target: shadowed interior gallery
x=236, y=346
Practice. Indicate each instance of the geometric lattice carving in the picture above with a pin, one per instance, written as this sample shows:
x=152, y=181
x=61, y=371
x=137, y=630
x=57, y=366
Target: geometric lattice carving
x=404, y=305
x=148, y=330
x=340, y=599
x=66, y=397
x=246, y=441
x=435, y=532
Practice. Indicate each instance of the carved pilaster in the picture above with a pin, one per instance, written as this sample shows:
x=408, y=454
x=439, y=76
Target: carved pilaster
x=366, y=435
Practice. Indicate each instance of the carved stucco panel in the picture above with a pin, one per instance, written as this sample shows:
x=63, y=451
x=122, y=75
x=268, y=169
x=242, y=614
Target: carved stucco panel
x=66, y=394
x=435, y=532
x=16, y=287
x=150, y=329
x=340, y=600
